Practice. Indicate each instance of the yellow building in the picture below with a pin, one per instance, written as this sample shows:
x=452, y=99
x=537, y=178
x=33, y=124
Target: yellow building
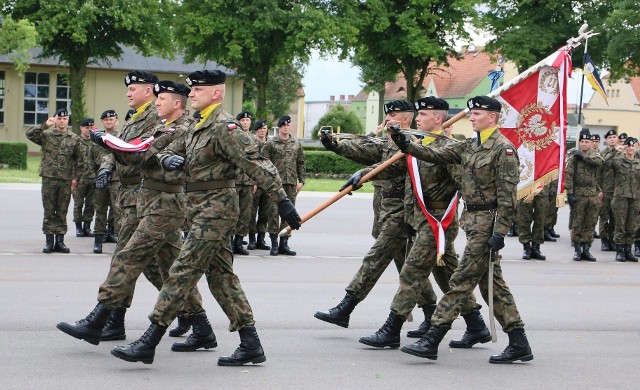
x=622, y=113
x=29, y=100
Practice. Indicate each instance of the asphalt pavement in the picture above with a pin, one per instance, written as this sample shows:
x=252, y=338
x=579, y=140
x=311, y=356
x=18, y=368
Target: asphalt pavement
x=582, y=319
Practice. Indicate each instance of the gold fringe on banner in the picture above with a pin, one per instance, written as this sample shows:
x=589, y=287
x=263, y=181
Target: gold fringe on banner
x=439, y=261
x=560, y=200
x=530, y=190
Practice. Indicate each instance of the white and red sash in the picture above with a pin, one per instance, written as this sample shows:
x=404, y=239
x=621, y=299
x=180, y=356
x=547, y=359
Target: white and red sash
x=439, y=227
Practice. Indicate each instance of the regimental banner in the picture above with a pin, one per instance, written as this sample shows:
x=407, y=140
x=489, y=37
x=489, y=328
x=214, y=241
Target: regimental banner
x=136, y=145
x=534, y=119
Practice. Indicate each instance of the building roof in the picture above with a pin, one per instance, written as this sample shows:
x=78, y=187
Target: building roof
x=635, y=86
x=132, y=60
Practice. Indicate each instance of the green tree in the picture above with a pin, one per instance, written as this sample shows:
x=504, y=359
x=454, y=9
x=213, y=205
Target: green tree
x=403, y=35
x=284, y=88
x=254, y=38
x=79, y=32
x=375, y=76
x=339, y=116
x=16, y=38
x=623, y=34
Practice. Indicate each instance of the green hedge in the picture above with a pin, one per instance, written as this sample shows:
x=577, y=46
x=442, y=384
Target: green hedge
x=14, y=154
x=329, y=162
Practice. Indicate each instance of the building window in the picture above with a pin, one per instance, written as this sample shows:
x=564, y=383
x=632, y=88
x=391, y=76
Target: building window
x=36, y=98
x=1, y=96
x=63, y=92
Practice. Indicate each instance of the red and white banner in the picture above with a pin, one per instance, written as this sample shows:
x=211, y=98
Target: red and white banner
x=136, y=145
x=534, y=119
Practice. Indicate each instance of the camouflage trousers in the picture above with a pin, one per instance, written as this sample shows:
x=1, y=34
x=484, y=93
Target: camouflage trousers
x=106, y=206
x=607, y=221
x=245, y=204
x=154, y=244
x=214, y=259
x=377, y=206
x=259, y=212
x=585, y=216
x=551, y=215
x=472, y=271
x=626, y=215
x=56, y=196
x=275, y=224
x=83, y=204
x=415, y=287
x=530, y=219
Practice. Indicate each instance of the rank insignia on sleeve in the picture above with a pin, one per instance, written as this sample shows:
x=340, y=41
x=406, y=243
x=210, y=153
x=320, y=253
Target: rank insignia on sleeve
x=509, y=151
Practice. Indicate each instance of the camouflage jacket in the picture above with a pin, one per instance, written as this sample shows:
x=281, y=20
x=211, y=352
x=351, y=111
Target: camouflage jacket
x=214, y=150
x=243, y=179
x=60, y=151
x=581, y=176
x=85, y=168
x=97, y=155
x=288, y=157
x=627, y=176
x=607, y=177
x=489, y=172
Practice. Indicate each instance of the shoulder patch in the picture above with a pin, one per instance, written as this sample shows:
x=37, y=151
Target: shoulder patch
x=509, y=151
x=245, y=139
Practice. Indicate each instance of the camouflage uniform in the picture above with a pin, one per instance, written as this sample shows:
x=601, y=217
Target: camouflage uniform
x=214, y=149
x=260, y=210
x=161, y=212
x=530, y=218
x=607, y=183
x=377, y=205
x=625, y=197
x=581, y=181
x=551, y=216
x=83, y=196
x=488, y=185
x=105, y=200
x=244, y=187
x=60, y=152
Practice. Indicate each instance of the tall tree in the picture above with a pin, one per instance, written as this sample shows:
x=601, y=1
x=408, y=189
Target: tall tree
x=404, y=35
x=16, y=38
x=79, y=32
x=284, y=88
x=375, y=76
x=623, y=34
x=254, y=37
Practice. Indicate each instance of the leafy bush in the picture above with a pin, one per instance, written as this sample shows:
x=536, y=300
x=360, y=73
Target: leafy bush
x=14, y=154
x=338, y=116
x=329, y=163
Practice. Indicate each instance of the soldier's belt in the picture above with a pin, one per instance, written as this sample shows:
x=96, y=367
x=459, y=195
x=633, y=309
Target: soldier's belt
x=481, y=206
x=209, y=185
x=163, y=187
x=437, y=205
x=131, y=180
x=393, y=194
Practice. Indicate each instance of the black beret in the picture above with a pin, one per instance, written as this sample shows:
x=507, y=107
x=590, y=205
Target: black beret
x=169, y=86
x=206, y=77
x=284, y=120
x=86, y=122
x=431, y=103
x=260, y=123
x=630, y=141
x=109, y=114
x=610, y=133
x=622, y=136
x=129, y=114
x=595, y=137
x=140, y=77
x=398, y=106
x=61, y=112
x=584, y=134
x=244, y=114
x=484, y=103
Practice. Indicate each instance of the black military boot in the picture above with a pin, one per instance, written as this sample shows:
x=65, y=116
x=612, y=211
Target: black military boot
x=628, y=254
x=586, y=255
x=477, y=332
x=238, y=249
x=553, y=233
x=595, y=234
x=636, y=249
x=97, y=243
x=284, y=249
x=577, y=255
x=388, y=335
x=252, y=242
x=184, y=324
x=249, y=351
x=88, y=329
x=260, y=244
x=518, y=349
x=425, y=325
x=274, y=244
x=86, y=229
x=605, y=244
x=143, y=349
x=340, y=314
x=535, y=252
x=620, y=256
x=111, y=236
x=114, y=328
x=59, y=246
x=79, y=231
x=48, y=243
x=526, y=251
x=427, y=347
x=548, y=236
x=511, y=229
x=202, y=336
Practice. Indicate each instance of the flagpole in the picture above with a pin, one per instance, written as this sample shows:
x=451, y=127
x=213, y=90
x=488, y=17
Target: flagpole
x=584, y=60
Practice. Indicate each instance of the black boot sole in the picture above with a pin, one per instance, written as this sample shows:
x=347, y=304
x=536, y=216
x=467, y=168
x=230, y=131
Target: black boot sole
x=178, y=333
x=525, y=358
x=263, y=247
x=330, y=320
x=419, y=354
x=379, y=345
x=255, y=360
x=180, y=347
x=119, y=355
x=117, y=337
x=68, y=329
x=459, y=344
x=412, y=334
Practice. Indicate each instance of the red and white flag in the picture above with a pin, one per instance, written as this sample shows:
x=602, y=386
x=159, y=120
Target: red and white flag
x=534, y=119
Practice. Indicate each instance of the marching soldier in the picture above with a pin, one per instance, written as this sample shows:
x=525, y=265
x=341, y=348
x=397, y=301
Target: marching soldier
x=83, y=196
x=60, y=150
x=488, y=186
x=244, y=187
x=607, y=183
x=261, y=203
x=584, y=195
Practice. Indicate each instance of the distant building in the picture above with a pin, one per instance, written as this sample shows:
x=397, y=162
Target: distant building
x=316, y=110
x=623, y=112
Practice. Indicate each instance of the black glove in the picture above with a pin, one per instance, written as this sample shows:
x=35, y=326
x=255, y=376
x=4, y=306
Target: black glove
x=578, y=155
x=288, y=212
x=96, y=137
x=496, y=242
x=172, y=163
x=353, y=181
x=327, y=140
x=398, y=138
x=103, y=178
x=571, y=199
